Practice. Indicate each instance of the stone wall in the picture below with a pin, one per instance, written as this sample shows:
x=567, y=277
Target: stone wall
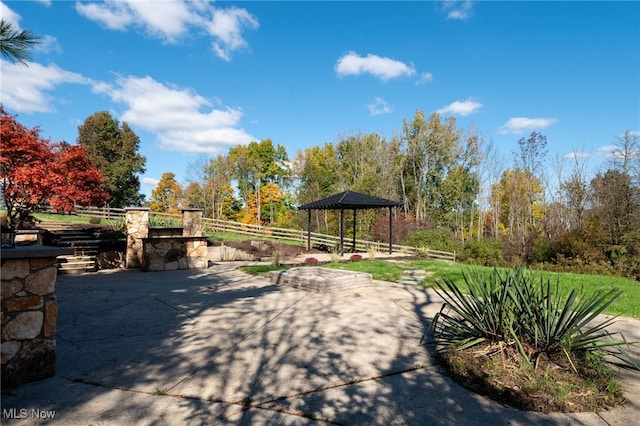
x=172, y=253
x=29, y=314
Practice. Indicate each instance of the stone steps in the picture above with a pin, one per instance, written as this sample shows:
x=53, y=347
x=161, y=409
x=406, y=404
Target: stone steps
x=76, y=264
x=412, y=276
x=84, y=245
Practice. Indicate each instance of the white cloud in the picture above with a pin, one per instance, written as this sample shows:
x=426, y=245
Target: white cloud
x=383, y=68
x=226, y=26
x=48, y=44
x=425, y=78
x=462, y=108
x=517, y=125
x=10, y=16
x=379, y=107
x=171, y=20
x=149, y=181
x=26, y=89
x=577, y=155
x=113, y=15
x=174, y=115
x=631, y=133
x=459, y=10
x=606, y=150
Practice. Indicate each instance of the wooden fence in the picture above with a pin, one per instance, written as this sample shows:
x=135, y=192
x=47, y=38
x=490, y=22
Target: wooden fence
x=268, y=232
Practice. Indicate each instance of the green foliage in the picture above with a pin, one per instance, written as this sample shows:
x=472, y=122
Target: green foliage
x=486, y=252
x=514, y=307
x=165, y=197
x=114, y=150
x=156, y=221
x=118, y=224
x=436, y=239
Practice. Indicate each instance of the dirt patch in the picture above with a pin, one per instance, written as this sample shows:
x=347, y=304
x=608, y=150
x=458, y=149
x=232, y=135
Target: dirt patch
x=552, y=385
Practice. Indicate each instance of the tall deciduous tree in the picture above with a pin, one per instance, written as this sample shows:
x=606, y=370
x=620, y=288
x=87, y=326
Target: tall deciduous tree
x=257, y=164
x=114, y=148
x=34, y=171
x=219, y=186
x=530, y=159
x=514, y=195
x=432, y=147
x=15, y=45
x=626, y=156
x=167, y=195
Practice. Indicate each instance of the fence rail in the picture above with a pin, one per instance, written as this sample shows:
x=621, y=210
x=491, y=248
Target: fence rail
x=268, y=232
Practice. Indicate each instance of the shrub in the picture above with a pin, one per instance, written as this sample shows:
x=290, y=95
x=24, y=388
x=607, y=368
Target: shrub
x=355, y=257
x=311, y=261
x=517, y=308
x=486, y=252
x=437, y=239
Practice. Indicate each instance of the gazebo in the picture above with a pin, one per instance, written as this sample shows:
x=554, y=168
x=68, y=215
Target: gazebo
x=349, y=200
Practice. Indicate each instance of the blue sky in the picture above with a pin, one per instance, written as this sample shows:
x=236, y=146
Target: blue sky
x=197, y=77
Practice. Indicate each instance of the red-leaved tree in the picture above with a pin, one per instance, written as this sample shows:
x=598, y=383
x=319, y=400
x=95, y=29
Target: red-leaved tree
x=34, y=171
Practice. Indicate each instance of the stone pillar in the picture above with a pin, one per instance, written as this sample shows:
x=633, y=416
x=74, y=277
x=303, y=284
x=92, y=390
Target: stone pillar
x=137, y=229
x=29, y=313
x=191, y=222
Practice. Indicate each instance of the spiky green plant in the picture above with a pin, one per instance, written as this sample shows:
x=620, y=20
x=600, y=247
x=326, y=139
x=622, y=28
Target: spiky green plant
x=118, y=224
x=516, y=308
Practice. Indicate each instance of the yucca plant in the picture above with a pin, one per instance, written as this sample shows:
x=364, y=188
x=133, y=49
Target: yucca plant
x=514, y=308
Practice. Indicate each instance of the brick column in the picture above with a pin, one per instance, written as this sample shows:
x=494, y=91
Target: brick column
x=137, y=229
x=191, y=222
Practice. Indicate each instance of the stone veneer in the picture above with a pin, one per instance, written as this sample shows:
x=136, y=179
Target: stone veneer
x=192, y=222
x=29, y=313
x=172, y=253
x=158, y=249
x=320, y=280
x=137, y=228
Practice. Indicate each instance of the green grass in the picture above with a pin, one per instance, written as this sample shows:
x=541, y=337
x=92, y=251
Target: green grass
x=53, y=217
x=627, y=305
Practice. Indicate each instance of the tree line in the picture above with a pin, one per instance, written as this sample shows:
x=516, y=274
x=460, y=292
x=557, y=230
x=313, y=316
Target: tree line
x=457, y=192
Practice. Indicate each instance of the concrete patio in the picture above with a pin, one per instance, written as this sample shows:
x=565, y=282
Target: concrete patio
x=217, y=346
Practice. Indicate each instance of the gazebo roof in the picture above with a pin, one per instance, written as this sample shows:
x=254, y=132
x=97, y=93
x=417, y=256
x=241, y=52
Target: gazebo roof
x=349, y=200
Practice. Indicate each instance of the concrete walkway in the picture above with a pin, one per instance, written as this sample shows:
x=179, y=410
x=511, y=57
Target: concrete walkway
x=219, y=347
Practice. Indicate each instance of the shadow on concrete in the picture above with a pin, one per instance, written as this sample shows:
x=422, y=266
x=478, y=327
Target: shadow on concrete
x=218, y=346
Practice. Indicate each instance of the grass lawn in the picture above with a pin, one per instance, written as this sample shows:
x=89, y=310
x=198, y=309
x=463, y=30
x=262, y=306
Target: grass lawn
x=627, y=305
x=53, y=217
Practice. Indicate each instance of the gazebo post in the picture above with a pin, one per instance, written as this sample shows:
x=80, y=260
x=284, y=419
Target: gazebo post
x=390, y=232
x=354, y=231
x=341, y=233
x=309, y=230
